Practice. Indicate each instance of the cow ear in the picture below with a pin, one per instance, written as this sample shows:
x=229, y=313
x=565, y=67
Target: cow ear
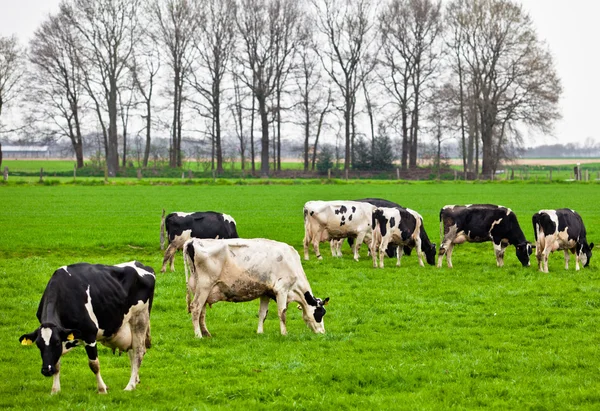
x=28, y=339
x=67, y=334
x=299, y=307
x=591, y=245
x=326, y=301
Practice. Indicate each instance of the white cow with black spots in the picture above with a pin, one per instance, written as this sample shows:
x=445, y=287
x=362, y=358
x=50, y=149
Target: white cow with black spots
x=336, y=220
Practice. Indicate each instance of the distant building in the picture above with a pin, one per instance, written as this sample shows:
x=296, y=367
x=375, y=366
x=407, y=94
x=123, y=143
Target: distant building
x=21, y=152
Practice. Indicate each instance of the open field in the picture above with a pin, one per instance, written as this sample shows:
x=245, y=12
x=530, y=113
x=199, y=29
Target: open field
x=410, y=337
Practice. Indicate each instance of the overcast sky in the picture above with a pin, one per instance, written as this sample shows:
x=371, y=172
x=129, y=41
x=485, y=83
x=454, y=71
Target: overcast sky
x=571, y=28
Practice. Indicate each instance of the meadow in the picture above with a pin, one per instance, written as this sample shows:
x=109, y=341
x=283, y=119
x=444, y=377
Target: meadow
x=409, y=337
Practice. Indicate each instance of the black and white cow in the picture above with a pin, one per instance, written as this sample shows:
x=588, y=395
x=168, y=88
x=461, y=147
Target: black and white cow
x=335, y=220
x=398, y=227
x=478, y=223
x=240, y=270
x=560, y=229
x=183, y=226
x=409, y=225
x=90, y=303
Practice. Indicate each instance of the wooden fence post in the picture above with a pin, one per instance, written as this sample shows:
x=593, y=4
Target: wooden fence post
x=5, y=173
x=397, y=174
x=329, y=174
x=550, y=175
x=74, y=172
x=139, y=174
x=105, y=174
x=42, y=175
x=346, y=173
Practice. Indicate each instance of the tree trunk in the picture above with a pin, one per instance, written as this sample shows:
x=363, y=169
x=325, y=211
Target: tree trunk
x=112, y=158
x=148, y=132
x=306, y=131
x=218, y=146
x=264, y=122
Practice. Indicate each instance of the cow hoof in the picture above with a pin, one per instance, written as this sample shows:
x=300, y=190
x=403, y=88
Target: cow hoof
x=319, y=257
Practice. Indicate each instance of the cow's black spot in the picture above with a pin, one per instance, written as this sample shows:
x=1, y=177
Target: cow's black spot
x=311, y=213
x=353, y=209
x=343, y=209
x=190, y=250
x=350, y=218
x=337, y=212
x=343, y=218
x=392, y=222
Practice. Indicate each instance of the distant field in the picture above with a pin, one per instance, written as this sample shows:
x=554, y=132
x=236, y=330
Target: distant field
x=410, y=337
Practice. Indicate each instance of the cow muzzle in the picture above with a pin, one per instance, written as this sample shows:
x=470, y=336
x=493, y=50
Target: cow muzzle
x=48, y=371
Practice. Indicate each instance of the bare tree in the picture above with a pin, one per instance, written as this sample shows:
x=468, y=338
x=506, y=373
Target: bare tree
x=347, y=26
x=144, y=68
x=511, y=73
x=214, y=46
x=177, y=21
x=268, y=29
x=11, y=69
x=56, y=82
x=315, y=97
x=109, y=31
x=409, y=32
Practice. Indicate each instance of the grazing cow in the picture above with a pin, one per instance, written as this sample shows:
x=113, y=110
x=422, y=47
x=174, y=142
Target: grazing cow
x=183, y=226
x=397, y=227
x=335, y=220
x=238, y=270
x=426, y=245
x=478, y=223
x=560, y=229
x=90, y=303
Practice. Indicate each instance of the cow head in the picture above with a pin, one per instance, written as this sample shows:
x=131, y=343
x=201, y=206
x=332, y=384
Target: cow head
x=429, y=250
x=585, y=253
x=49, y=338
x=314, y=313
x=524, y=250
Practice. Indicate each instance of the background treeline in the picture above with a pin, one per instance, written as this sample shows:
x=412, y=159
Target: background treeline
x=377, y=81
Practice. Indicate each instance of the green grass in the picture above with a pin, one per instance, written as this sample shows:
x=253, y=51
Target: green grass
x=475, y=336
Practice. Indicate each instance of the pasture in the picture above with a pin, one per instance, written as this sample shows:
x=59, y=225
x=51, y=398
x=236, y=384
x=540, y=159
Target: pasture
x=410, y=337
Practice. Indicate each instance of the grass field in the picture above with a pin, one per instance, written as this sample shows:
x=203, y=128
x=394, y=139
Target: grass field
x=475, y=336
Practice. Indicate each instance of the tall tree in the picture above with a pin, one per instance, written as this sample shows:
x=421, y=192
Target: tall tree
x=11, y=69
x=214, y=46
x=314, y=97
x=145, y=68
x=177, y=21
x=56, y=84
x=511, y=72
x=347, y=26
x=109, y=29
x=268, y=31
x=410, y=30
x=12, y=59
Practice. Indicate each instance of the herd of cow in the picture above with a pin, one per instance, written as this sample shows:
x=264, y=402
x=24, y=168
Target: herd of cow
x=86, y=303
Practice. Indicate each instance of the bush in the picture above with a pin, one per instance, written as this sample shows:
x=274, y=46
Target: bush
x=325, y=159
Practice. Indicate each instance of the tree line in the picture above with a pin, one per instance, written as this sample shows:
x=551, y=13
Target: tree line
x=248, y=71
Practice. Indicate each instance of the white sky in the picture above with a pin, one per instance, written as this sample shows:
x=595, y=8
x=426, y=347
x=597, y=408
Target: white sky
x=571, y=28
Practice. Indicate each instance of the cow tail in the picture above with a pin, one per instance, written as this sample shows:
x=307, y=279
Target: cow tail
x=535, y=220
x=162, y=231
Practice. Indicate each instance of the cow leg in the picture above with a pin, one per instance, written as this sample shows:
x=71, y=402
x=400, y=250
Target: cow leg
x=567, y=258
x=419, y=251
x=399, y=254
x=333, y=245
x=449, y=255
x=373, y=252
x=94, y=364
x=316, y=247
x=359, y=239
x=262, y=313
x=198, y=308
x=282, y=311
x=140, y=325
x=382, y=249
x=306, y=243
x=499, y=250
x=169, y=257
x=56, y=379
x=576, y=259
x=546, y=251
x=203, y=328
x=539, y=251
